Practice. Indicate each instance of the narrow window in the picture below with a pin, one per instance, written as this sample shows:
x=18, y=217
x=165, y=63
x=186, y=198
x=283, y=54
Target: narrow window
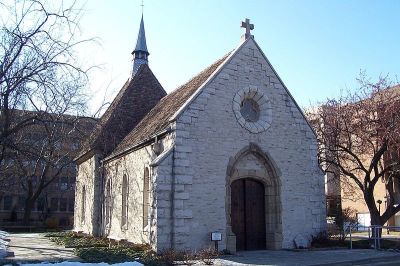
x=83, y=203
x=8, y=200
x=124, y=217
x=108, y=203
x=146, y=197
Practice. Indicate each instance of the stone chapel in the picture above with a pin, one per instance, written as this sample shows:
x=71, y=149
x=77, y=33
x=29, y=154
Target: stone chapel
x=228, y=152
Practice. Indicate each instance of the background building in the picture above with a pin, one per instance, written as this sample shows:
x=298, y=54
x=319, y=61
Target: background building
x=42, y=160
x=359, y=135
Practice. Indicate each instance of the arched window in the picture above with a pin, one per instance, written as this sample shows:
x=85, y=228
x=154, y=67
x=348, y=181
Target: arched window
x=108, y=203
x=146, y=192
x=83, y=204
x=124, y=216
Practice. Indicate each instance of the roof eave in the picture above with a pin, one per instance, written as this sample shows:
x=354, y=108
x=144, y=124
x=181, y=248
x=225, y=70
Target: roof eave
x=138, y=145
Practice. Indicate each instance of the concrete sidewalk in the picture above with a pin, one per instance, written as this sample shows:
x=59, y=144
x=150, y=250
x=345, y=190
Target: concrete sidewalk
x=31, y=247
x=325, y=257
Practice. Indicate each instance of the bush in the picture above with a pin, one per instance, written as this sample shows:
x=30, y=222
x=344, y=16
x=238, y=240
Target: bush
x=188, y=258
x=97, y=249
x=347, y=217
x=324, y=240
x=52, y=223
x=207, y=256
x=169, y=257
x=108, y=255
x=57, y=234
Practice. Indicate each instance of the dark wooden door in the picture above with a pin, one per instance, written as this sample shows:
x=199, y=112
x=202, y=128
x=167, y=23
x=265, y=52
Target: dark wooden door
x=248, y=214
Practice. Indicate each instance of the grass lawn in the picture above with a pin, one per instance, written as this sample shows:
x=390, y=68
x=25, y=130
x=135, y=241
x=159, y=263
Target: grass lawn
x=366, y=243
x=384, y=233
x=96, y=249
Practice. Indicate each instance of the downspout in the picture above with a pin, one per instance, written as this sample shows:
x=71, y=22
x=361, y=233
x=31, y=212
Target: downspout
x=102, y=225
x=172, y=200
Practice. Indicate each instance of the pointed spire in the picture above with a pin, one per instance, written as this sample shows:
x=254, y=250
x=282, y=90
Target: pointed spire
x=140, y=53
x=141, y=41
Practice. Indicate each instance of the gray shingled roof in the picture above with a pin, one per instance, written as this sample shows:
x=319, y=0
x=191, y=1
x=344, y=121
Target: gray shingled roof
x=136, y=98
x=158, y=118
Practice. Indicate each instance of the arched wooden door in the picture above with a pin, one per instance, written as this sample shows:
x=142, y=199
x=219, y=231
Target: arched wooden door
x=248, y=214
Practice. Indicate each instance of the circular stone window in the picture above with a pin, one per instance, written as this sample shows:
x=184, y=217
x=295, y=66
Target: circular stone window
x=252, y=109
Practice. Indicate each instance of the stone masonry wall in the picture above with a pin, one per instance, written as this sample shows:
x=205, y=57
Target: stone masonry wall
x=133, y=165
x=208, y=135
x=85, y=178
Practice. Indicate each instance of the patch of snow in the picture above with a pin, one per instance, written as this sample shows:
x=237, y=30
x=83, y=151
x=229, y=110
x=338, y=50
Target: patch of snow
x=70, y=263
x=3, y=244
x=300, y=241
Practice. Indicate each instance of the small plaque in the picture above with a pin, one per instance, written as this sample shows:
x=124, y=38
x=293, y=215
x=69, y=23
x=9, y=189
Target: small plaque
x=216, y=236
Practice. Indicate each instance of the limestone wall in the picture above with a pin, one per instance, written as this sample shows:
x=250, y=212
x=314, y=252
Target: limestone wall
x=208, y=135
x=133, y=165
x=86, y=218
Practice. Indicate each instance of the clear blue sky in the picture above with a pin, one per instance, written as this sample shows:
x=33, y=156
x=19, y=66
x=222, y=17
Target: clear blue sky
x=317, y=47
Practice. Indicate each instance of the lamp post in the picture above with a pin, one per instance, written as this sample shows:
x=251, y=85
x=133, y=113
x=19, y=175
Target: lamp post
x=379, y=206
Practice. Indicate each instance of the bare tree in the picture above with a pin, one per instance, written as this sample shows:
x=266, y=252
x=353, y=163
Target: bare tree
x=358, y=136
x=39, y=72
x=38, y=69
x=44, y=152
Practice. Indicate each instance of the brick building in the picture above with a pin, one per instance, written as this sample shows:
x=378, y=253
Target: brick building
x=56, y=201
x=343, y=193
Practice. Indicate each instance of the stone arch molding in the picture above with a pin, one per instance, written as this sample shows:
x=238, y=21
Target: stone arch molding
x=268, y=174
x=264, y=104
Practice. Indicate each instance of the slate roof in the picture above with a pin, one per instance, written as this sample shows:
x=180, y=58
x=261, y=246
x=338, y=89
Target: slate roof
x=158, y=118
x=136, y=98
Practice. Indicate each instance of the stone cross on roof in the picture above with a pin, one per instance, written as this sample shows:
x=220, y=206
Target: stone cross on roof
x=246, y=24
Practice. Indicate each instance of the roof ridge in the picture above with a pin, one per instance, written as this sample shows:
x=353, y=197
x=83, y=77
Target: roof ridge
x=202, y=71
x=144, y=78
x=158, y=118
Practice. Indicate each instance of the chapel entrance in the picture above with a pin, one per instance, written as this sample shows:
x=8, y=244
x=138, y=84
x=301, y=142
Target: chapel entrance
x=248, y=214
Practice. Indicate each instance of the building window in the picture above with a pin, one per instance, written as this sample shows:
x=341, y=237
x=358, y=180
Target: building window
x=124, y=217
x=7, y=203
x=64, y=183
x=72, y=183
x=54, y=204
x=41, y=204
x=71, y=204
x=63, y=204
x=83, y=203
x=108, y=203
x=21, y=203
x=146, y=186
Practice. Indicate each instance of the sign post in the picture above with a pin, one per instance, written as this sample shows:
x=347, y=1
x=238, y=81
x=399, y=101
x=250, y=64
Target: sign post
x=216, y=237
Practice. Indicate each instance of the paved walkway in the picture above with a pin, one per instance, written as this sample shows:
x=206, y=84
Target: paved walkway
x=32, y=247
x=37, y=248
x=326, y=257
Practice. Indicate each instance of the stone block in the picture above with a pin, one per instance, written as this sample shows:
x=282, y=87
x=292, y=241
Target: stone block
x=181, y=195
x=184, y=214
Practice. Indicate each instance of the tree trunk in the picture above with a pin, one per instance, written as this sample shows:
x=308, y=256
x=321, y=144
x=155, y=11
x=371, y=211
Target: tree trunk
x=376, y=221
x=29, y=202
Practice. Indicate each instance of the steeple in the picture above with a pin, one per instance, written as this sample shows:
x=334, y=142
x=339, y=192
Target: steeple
x=140, y=53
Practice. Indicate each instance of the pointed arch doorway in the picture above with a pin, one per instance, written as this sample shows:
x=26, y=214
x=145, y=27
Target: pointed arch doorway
x=253, y=201
x=248, y=214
